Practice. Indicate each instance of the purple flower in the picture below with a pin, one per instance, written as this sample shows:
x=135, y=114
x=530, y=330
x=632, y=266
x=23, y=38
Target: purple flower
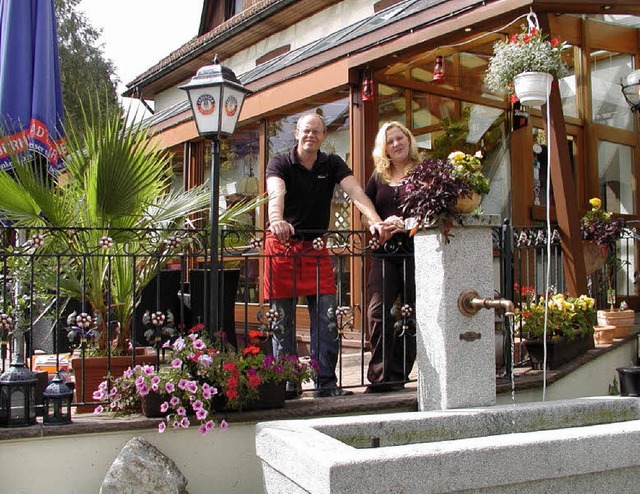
x=174, y=401
x=192, y=386
x=201, y=414
x=98, y=410
x=148, y=370
x=184, y=423
x=161, y=427
x=170, y=387
x=197, y=405
x=182, y=411
x=176, y=363
x=164, y=407
x=268, y=360
x=224, y=425
x=202, y=430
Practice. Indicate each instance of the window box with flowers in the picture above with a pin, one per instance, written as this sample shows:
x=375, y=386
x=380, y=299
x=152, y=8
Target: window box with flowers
x=439, y=192
x=524, y=57
x=202, y=379
x=570, y=322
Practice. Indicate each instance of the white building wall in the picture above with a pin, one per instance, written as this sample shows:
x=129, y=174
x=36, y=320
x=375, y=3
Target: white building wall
x=328, y=21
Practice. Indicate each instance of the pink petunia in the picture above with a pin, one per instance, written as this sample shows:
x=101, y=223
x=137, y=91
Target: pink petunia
x=174, y=401
x=224, y=425
x=176, y=363
x=182, y=411
x=164, y=407
x=184, y=423
x=202, y=430
x=162, y=427
x=98, y=410
x=197, y=405
x=210, y=425
x=170, y=387
x=201, y=414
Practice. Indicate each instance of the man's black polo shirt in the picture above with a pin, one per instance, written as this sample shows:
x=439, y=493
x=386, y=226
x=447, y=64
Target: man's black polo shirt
x=307, y=202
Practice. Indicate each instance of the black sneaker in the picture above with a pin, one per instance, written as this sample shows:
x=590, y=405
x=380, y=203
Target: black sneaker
x=328, y=392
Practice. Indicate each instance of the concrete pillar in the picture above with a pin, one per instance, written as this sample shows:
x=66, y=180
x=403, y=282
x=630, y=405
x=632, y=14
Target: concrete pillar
x=456, y=352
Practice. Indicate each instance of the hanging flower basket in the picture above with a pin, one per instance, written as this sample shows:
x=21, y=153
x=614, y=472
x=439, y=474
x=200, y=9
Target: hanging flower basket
x=467, y=204
x=594, y=256
x=532, y=88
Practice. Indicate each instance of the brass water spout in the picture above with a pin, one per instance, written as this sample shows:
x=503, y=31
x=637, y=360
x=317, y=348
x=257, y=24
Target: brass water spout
x=470, y=303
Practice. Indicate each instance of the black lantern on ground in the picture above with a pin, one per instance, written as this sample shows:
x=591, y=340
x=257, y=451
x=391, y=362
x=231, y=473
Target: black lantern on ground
x=17, y=395
x=216, y=96
x=57, y=402
x=631, y=90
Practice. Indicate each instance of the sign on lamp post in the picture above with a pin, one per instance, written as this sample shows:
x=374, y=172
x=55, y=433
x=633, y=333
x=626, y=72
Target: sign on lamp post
x=216, y=97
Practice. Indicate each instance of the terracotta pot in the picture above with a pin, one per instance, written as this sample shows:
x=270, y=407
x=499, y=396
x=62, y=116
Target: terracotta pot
x=603, y=335
x=532, y=88
x=89, y=376
x=622, y=319
x=466, y=204
x=594, y=256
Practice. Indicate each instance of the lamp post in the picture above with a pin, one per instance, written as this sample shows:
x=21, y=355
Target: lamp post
x=631, y=90
x=216, y=96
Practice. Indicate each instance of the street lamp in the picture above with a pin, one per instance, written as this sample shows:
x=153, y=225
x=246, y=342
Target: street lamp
x=216, y=96
x=631, y=90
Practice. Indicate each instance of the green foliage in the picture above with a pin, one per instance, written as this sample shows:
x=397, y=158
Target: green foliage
x=84, y=71
x=566, y=316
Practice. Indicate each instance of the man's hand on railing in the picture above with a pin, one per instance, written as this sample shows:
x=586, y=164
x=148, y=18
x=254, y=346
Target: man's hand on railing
x=282, y=230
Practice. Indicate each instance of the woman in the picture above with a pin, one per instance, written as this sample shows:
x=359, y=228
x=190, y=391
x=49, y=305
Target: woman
x=391, y=279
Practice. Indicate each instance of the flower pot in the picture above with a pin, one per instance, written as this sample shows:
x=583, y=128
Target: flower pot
x=89, y=375
x=532, y=88
x=559, y=350
x=603, y=335
x=594, y=256
x=467, y=204
x=151, y=404
x=629, y=381
x=621, y=319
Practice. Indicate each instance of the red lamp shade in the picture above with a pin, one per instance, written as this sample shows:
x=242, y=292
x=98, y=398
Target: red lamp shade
x=438, y=69
x=367, y=89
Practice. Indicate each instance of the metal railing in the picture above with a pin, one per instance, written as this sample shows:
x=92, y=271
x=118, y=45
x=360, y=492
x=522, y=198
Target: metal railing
x=141, y=288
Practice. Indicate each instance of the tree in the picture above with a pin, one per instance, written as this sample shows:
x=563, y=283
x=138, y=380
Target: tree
x=84, y=71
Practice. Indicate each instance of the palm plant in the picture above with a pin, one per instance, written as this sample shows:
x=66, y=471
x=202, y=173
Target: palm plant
x=117, y=185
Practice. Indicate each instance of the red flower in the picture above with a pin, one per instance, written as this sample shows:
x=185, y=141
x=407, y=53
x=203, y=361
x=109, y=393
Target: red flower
x=533, y=31
x=230, y=366
x=526, y=38
x=514, y=98
x=254, y=334
x=254, y=381
x=197, y=328
x=555, y=42
x=513, y=39
x=231, y=393
x=251, y=350
x=232, y=382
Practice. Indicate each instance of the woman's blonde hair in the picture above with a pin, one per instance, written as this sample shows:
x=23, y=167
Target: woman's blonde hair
x=382, y=162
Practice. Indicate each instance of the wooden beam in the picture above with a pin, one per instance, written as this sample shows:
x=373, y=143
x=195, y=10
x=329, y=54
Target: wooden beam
x=564, y=191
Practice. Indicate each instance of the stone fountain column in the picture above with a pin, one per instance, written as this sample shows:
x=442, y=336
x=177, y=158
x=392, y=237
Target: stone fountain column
x=456, y=352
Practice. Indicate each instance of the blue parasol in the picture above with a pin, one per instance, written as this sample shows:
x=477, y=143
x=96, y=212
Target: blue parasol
x=31, y=110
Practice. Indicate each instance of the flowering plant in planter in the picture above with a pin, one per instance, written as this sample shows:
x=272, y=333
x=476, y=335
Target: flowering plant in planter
x=569, y=317
x=200, y=378
x=528, y=51
x=604, y=230
x=433, y=188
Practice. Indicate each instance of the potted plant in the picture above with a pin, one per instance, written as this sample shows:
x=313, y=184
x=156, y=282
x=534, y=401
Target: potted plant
x=569, y=327
x=526, y=63
x=600, y=231
x=203, y=378
x=439, y=191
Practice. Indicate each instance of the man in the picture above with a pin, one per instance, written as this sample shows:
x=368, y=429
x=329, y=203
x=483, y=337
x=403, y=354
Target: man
x=300, y=186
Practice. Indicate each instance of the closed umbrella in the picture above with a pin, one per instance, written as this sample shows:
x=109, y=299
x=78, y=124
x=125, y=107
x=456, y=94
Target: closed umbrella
x=31, y=110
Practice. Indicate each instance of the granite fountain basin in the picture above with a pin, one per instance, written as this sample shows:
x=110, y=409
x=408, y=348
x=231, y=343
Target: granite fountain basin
x=565, y=446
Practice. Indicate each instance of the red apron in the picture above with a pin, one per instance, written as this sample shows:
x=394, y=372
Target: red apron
x=296, y=269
